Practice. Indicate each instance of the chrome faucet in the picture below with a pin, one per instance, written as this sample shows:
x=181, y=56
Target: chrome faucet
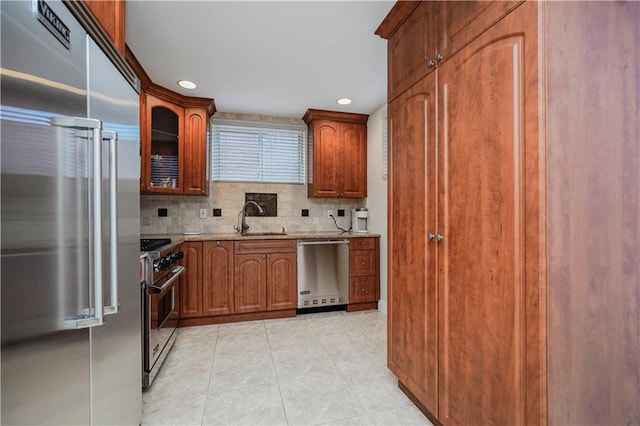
x=242, y=226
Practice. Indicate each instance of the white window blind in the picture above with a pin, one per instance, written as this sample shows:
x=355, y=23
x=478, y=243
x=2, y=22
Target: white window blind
x=257, y=152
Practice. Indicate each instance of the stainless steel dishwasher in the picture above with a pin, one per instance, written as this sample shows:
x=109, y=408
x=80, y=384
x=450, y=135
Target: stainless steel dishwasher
x=323, y=272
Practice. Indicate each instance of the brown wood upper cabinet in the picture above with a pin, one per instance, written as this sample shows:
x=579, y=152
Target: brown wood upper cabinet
x=110, y=14
x=423, y=34
x=174, y=147
x=337, y=154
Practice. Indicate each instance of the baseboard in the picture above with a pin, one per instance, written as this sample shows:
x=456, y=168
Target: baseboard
x=382, y=306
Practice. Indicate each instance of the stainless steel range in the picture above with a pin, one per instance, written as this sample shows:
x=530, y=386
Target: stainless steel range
x=159, y=278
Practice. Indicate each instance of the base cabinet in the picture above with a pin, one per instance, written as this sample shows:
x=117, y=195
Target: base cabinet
x=265, y=276
x=364, y=273
x=512, y=295
x=191, y=280
x=226, y=280
x=217, y=278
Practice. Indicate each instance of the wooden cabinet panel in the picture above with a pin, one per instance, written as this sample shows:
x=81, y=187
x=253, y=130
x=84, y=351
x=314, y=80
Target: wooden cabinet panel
x=353, y=156
x=593, y=172
x=217, y=278
x=412, y=287
x=362, y=289
x=162, y=147
x=484, y=93
x=250, y=283
x=265, y=246
x=364, y=273
x=177, y=152
x=110, y=14
x=191, y=280
x=362, y=244
x=281, y=281
x=410, y=48
x=537, y=199
x=267, y=280
x=362, y=262
x=326, y=159
x=462, y=21
x=337, y=154
x=195, y=152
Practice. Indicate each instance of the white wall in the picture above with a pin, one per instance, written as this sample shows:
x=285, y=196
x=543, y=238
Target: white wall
x=377, y=195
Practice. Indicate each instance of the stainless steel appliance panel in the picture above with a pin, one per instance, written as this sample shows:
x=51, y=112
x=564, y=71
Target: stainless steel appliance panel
x=45, y=232
x=52, y=374
x=116, y=347
x=160, y=301
x=323, y=273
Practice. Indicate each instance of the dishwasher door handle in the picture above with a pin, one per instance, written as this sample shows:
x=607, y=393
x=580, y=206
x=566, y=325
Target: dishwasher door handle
x=315, y=243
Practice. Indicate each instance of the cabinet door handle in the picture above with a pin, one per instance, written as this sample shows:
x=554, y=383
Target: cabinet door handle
x=363, y=291
x=362, y=263
x=439, y=237
x=431, y=63
x=438, y=57
x=430, y=236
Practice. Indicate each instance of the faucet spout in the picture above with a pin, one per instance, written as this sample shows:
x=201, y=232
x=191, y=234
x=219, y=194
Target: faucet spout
x=242, y=226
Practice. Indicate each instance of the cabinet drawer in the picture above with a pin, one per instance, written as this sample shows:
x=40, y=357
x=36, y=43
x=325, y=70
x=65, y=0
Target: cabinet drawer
x=362, y=243
x=362, y=289
x=265, y=246
x=362, y=263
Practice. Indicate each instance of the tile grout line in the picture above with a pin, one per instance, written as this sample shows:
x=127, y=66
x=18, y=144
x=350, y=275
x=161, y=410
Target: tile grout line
x=206, y=398
x=284, y=408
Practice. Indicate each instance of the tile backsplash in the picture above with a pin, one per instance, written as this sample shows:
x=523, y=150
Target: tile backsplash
x=183, y=213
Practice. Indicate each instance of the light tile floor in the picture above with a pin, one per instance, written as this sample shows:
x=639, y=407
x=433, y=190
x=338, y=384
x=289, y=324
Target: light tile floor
x=314, y=369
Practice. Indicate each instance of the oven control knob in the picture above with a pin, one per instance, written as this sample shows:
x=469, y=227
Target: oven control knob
x=161, y=264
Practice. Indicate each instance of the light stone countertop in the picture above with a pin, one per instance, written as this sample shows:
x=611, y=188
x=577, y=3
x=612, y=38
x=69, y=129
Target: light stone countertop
x=232, y=236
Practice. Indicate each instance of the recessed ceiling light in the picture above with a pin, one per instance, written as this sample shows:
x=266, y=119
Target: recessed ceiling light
x=187, y=84
x=344, y=101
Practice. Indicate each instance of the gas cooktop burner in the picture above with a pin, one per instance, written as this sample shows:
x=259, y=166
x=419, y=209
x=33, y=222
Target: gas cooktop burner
x=150, y=244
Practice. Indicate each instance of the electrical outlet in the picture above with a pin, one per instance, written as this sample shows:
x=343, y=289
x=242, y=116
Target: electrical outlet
x=203, y=213
x=329, y=213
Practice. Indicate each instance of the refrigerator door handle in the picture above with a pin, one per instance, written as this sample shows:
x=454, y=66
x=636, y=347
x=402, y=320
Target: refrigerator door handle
x=91, y=129
x=112, y=137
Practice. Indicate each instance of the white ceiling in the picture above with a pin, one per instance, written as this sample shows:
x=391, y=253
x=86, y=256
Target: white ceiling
x=265, y=57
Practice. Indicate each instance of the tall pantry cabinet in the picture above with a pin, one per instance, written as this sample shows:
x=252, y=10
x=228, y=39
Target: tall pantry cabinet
x=514, y=210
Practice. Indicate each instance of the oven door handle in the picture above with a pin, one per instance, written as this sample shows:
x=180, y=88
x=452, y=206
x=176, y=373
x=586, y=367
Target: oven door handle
x=177, y=271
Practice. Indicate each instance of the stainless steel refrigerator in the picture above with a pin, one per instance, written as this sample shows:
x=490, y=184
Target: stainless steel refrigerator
x=70, y=228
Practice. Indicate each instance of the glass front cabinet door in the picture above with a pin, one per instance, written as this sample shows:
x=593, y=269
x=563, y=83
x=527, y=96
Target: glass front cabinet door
x=164, y=149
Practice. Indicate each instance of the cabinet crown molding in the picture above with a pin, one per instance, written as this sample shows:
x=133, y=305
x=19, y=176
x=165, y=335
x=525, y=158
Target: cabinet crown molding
x=394, y=19
x=347, y=117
